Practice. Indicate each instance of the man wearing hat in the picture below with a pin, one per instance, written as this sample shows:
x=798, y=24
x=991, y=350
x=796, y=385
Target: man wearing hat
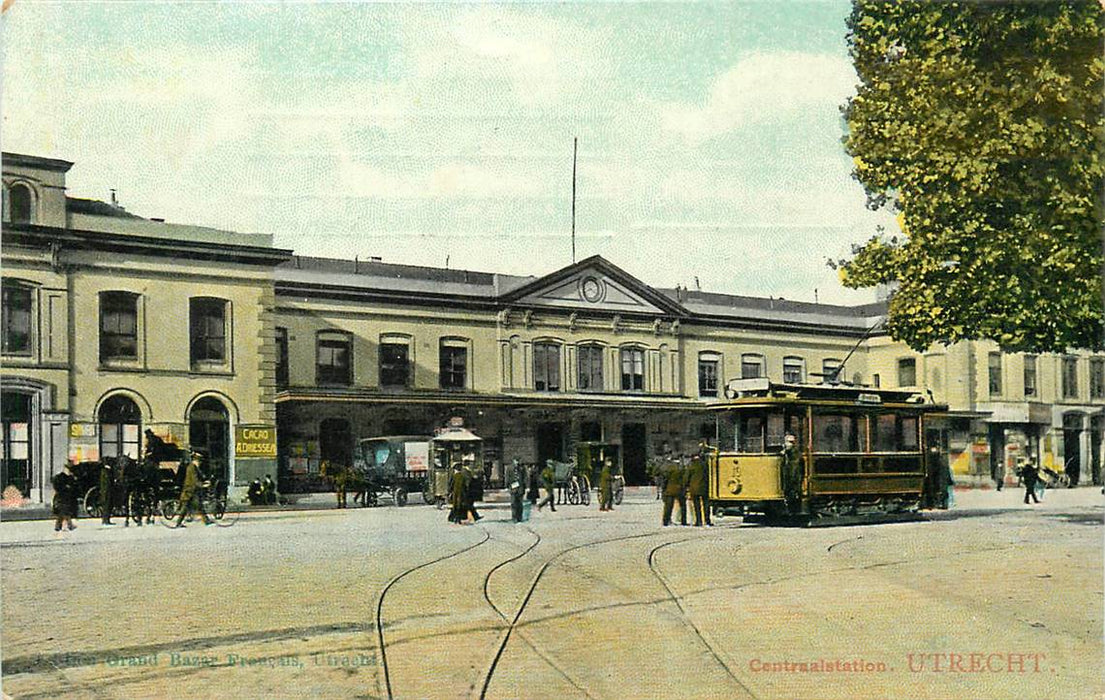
x=190, y=500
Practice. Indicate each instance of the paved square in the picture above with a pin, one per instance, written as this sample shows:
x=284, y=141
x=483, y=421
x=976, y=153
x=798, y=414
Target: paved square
x=992, y=599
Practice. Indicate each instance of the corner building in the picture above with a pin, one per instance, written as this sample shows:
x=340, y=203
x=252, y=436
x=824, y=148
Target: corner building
x=273, y=363
x=114, y=324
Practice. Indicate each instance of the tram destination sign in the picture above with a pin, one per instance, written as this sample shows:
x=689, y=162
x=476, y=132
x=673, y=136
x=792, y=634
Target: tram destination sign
x=255, y=441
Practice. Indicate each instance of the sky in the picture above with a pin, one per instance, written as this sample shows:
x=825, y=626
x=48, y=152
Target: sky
x=709, y=133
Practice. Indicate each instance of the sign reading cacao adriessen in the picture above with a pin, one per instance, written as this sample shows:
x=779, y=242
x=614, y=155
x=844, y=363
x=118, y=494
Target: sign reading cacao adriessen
x=255, y=441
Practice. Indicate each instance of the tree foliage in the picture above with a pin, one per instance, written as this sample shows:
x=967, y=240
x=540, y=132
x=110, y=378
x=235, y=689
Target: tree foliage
x=981, y=124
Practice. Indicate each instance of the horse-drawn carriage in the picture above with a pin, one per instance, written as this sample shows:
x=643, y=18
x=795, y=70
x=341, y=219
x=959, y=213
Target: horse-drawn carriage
x=138, y=488
x=393, y=465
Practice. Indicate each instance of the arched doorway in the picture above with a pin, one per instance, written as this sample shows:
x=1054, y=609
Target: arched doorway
x=209, y=432
x=16, y=460
x=120, y=427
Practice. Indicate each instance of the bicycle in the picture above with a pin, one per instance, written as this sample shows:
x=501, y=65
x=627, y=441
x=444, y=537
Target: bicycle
x=220, y=509
x=619, y=489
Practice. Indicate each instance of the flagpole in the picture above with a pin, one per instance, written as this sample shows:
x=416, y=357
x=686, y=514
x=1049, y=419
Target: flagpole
x=575, y=145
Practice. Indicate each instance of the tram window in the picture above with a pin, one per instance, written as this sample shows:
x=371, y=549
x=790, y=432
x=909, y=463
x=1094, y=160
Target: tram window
x=775, y=432
x=909, y=442
x=726, y=433
x=884, y=429
x=839, y=432
x=750, y=433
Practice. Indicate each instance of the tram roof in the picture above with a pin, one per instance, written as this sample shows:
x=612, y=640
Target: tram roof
x=761, y=390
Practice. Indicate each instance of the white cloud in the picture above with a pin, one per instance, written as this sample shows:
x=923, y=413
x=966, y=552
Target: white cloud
x=763, y=88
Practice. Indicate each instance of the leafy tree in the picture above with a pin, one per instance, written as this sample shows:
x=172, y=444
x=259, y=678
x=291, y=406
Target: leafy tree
x=981, y=124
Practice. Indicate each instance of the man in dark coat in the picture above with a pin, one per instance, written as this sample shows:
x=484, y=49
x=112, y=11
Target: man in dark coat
x=792, y=473
x=674, y=491
x=254, y=493
x=107, y=490
x=191, y=492
x=517, y=486
x=1029, y=476
x=698, y=490
x=458, y=495
x=473, y=491
x=65, y=498
x=268, y=491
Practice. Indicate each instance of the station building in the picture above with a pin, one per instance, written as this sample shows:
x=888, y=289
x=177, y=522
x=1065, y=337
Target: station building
x=272, y=362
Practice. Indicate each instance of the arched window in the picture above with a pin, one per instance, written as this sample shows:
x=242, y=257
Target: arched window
x=209, y=432
x=633, y=369
x=120, y=428
x=21, y=204
x=453, y=365
x=590, y=360
x=546, y=366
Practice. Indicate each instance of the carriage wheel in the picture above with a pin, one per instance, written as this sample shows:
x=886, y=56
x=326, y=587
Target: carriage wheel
x=370, y=498
x=428, y=494
x=573, y=492
x=400, y=497
x=92, y=502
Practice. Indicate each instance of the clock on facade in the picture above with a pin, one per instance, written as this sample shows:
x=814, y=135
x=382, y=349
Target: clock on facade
x=592, y=289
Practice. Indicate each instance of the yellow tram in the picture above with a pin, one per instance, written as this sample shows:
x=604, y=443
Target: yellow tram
x=825, y=452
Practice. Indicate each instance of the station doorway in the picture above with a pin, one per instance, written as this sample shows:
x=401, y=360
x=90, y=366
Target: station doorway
x=550, y=442
x=634, y=454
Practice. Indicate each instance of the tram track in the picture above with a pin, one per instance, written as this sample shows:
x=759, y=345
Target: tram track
x=383, y=595
x=678, y=600
x=493, y=666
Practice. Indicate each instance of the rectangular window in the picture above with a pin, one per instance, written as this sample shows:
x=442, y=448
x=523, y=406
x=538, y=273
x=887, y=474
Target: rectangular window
x=831, y=369
x=546, y=367
x=752, y=366
x=840, y=432
x=395, y=364
x=794, y=370
x=995, y=373
x=334, y=359
x=1097, y=378
x=281, y=357
x=118, y=326
x=707, y=376
x=208, y=324
x=16, y=320
x=876, y=381
x=1070, y=377
x=907, y=372
x=1029, y=375
x=590, y=368
x=893, y=433
x=633, y=369
x=454, y=364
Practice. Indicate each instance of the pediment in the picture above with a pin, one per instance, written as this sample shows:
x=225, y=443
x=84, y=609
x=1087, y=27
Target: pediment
x=595, y=285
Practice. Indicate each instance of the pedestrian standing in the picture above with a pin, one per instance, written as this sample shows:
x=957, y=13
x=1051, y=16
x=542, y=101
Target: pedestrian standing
x=458, y=491
x=191, y=498
x=548, y=477
x=674, y=492
x=517, y=489
x=473, y=490
x=107, y=489
x=65, y=498
x=533, y=493
x=1029, y=477
x=792, y=473
x=606, y=487
x=999, y=474
x=698, y=490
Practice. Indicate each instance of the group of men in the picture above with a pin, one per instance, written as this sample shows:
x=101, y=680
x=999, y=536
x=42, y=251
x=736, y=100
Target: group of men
x=262, y=493
x=686, y=478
